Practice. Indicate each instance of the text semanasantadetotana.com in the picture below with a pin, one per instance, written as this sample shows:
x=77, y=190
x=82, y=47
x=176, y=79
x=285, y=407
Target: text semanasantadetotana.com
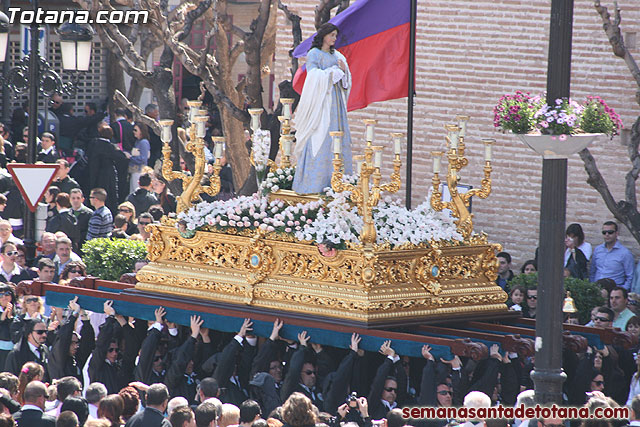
x=520, y=412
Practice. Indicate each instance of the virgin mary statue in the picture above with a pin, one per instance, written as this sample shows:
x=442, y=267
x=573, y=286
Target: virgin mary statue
x=322, y=109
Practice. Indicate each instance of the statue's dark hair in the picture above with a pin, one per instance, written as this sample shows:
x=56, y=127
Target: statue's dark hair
x=324, y=29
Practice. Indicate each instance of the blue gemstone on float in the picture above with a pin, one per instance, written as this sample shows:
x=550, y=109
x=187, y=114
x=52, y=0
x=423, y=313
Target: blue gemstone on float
x=254, y=260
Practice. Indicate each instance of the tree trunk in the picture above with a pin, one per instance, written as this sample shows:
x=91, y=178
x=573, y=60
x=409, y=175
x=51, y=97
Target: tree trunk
x=115, y=79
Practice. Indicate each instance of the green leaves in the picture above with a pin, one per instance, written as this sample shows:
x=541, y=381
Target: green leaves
x=109, y=259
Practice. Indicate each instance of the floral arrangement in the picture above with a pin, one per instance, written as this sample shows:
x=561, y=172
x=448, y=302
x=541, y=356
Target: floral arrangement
x=261, y=144
x=335, y=220
x=280, y=179
x=515, y=112
x=523, y=113
x=250, y=213
x=599, y=117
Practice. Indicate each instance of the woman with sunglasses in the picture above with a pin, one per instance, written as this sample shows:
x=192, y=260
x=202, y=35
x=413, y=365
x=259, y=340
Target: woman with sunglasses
x=72, y=270
x=7, y=307
x=127, y=210
x=9, y=269
x=21, y=260
x=31, y=307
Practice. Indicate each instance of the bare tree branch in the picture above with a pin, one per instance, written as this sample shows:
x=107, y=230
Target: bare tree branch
x=612, y=29
x=138, y=115
x=323, y=10
x=192, y=16
x=297, y=34
x=634, y=157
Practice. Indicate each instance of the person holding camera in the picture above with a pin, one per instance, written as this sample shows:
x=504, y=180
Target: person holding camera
x=356, y=410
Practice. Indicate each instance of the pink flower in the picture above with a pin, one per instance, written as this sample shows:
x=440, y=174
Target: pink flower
x=563, y=137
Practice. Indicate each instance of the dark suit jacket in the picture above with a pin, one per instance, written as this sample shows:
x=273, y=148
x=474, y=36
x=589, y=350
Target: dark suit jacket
x=148, y=418
x=34, y=418
x=123, y=133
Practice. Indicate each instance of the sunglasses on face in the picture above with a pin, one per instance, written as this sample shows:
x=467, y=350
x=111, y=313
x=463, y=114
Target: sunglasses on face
x=125, y=210
x=390, y=389
x=445, y=393
x=598, y=383
x=532, y=297
x=12, y=253
x=602, y=319
x=604, y=232
x=5, y=294
x=310, y=372
x=31, y=300
x=144, y=223
x=75, y=271
x=157, y=358
x=40, y=331
x=113, y=350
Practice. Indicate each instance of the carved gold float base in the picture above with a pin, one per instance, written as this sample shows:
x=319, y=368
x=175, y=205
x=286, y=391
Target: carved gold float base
x=378, y=287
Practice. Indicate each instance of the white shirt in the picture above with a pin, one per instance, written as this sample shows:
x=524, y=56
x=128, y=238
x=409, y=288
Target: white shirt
x=586, y=249
x=10, y=274
x=35, y=350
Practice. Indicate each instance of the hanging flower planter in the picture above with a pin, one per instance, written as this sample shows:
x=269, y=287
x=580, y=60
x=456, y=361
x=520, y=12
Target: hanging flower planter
x=558, y=131
x=558, y=146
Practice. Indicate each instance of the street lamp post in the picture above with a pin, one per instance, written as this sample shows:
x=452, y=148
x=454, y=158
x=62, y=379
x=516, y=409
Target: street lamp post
x=35, y=74
x=548, y=375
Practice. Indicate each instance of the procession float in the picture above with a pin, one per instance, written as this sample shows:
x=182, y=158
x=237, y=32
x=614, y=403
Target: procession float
x=351, y=255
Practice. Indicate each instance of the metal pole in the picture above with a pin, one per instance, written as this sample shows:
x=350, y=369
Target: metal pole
x=6, y=100
x=412, y=84
x=29, y=218
x=548, y=375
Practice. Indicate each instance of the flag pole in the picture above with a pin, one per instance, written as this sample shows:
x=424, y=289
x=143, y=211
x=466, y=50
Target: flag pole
x=412, y=81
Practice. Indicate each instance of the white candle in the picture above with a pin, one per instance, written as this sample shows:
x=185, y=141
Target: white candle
x=286, y=146
x=337, y=145
x=463, y=127
x=377, y=159
x=436, y=161
x=165, y=134
x=286, y=110
x=359, y=167
x=201, y=129
x=218, y=149
x=453, y=137
x=397, y=145
x=255, y=118
x=370, y=128
x=488, y=143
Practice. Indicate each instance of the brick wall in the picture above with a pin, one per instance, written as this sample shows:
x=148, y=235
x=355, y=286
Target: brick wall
x=469, y=53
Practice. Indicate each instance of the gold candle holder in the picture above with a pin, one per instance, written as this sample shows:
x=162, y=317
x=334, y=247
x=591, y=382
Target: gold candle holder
x=191, y=184
x=459, y=204
x=366, y=193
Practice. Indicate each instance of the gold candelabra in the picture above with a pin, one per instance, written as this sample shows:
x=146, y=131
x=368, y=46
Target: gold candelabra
x=191, y=184
x=366, y=193
x=459, y=204
x=286, y=138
